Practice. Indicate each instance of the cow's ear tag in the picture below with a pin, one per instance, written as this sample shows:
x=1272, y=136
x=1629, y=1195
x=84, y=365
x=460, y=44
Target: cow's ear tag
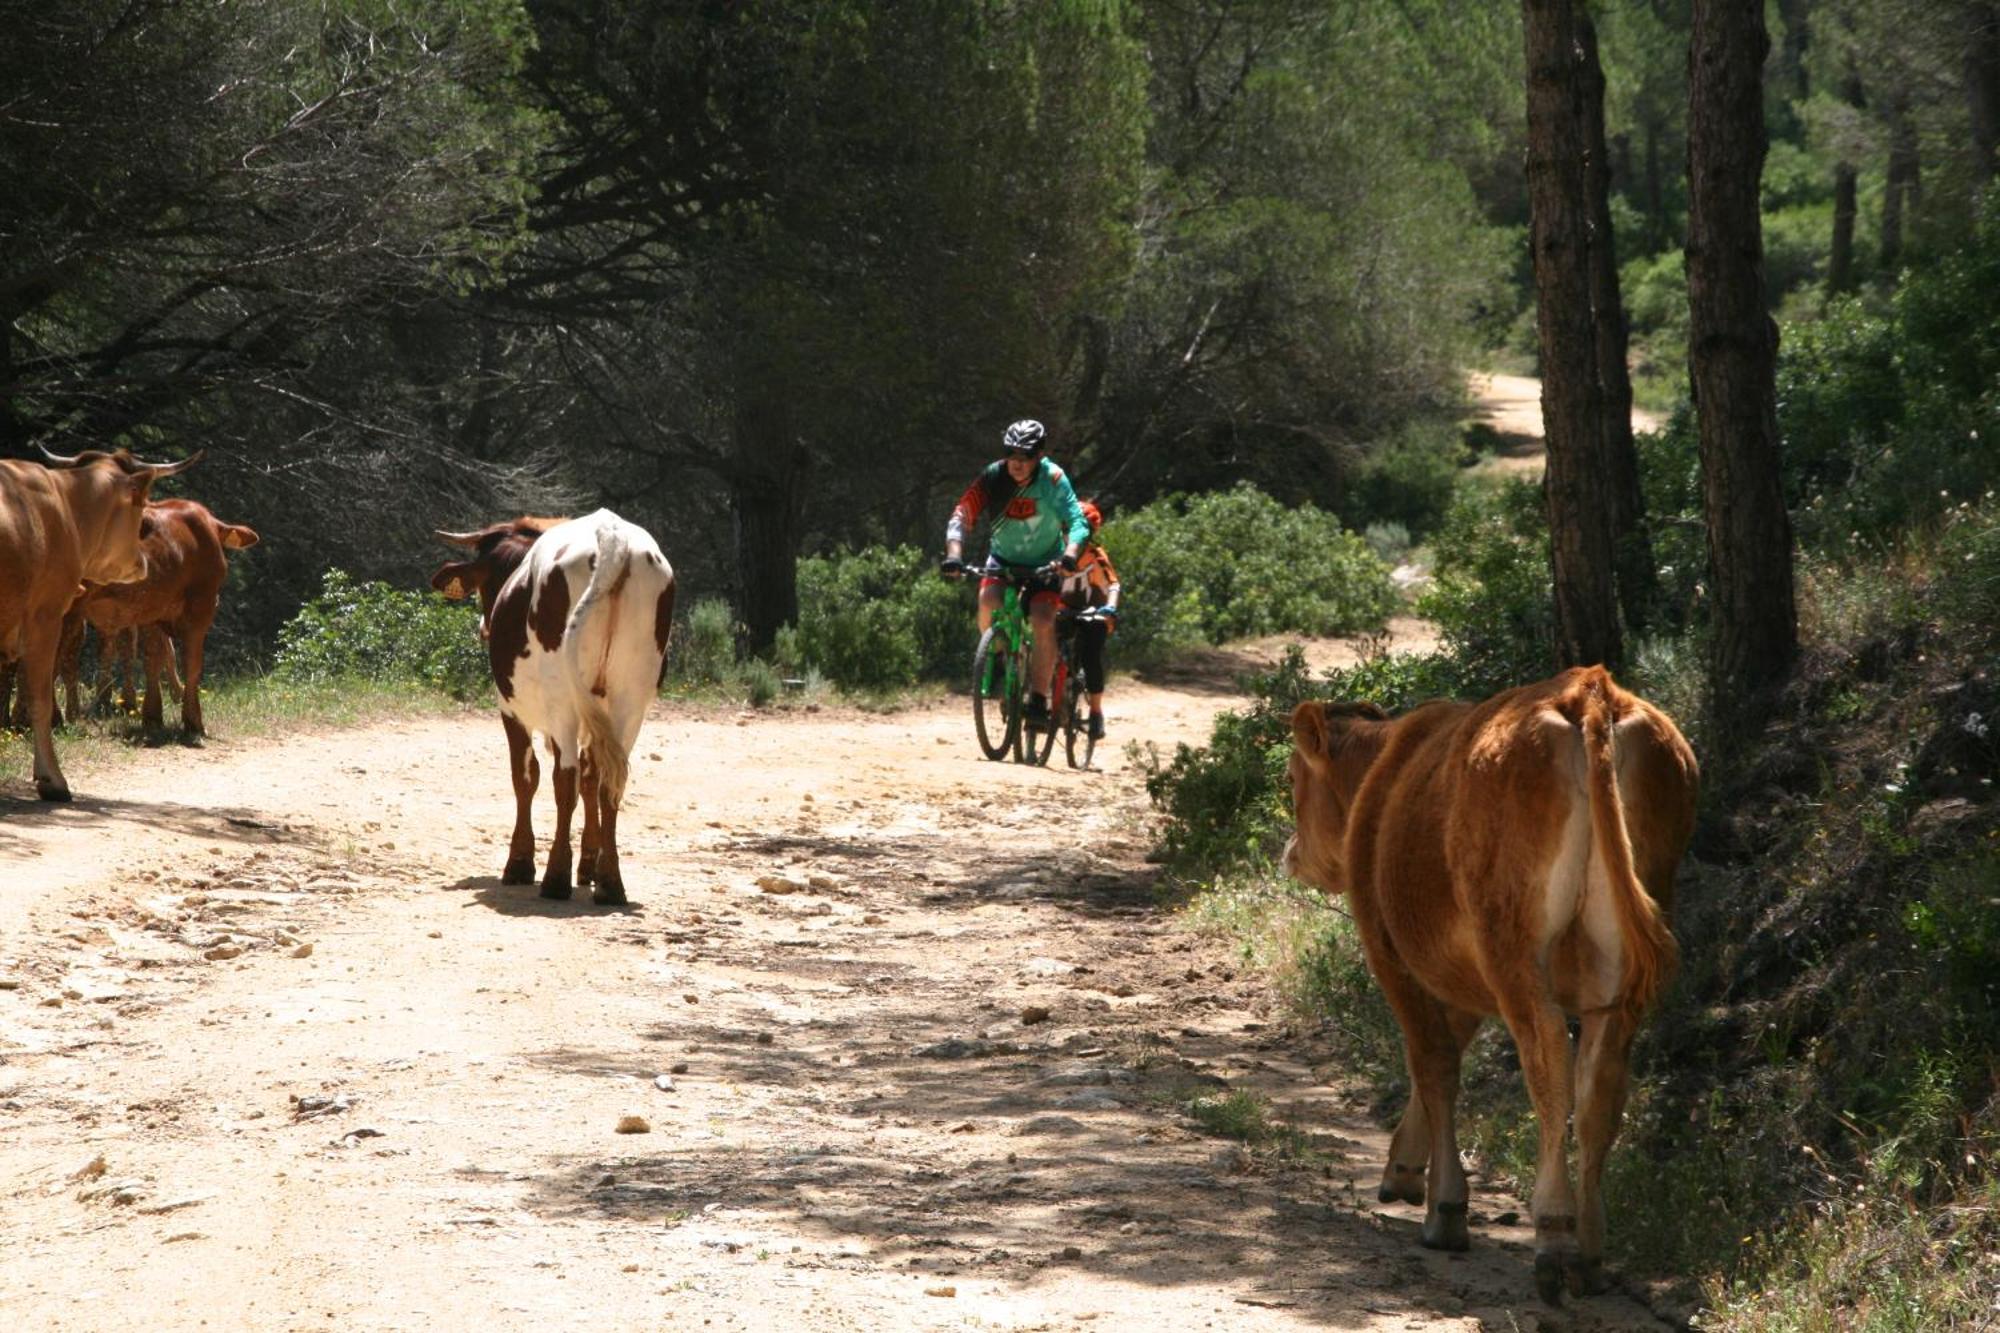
x=455, y=589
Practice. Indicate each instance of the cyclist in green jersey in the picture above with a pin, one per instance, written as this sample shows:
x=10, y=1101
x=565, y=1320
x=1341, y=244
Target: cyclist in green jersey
x=1036, y=522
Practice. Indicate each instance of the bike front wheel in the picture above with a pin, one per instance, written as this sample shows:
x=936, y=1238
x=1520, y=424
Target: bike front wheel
x=998, y=687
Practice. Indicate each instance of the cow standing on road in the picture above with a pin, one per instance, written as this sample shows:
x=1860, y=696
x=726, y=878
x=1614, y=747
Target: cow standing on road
x=575, y=615
x=62, y=523
x=1514, y=857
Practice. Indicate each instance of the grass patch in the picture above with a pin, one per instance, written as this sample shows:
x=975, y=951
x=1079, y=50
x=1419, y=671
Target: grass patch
x=250, y=707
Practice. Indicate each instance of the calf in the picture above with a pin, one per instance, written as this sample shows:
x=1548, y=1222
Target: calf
x=185, y=547
x=1514, y=857
x=575, y=616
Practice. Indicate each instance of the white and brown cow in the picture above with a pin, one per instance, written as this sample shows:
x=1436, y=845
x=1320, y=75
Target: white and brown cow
x=575, y=616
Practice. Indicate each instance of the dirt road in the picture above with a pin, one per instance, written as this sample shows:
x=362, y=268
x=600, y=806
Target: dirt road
x=278, y=1051
x=1512, y=406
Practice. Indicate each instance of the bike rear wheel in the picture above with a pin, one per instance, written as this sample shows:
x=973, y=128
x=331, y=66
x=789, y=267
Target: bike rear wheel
x=1037, y=746
x=998, y=689
x=1077, y=742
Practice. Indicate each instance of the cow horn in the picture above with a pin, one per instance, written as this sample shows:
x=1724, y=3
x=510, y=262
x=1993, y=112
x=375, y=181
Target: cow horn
x=54, y=459
x=170, y=469
x=465, y=539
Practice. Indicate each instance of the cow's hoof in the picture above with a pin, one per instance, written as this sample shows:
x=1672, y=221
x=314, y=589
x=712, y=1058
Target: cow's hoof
x=1549, y=1277
x=1402, y=1187
x=1586, y=1277
x=518, y=872
x=52, y=793
x=553, y=889
x=609, y=895
x=1444, y=1228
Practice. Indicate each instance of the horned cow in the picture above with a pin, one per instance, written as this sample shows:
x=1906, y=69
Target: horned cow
x=575, y=615
x=63, y=523
x=1513, y=857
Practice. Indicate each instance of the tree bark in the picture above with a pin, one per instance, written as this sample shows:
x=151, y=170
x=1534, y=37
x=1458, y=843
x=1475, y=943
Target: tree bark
x=1733, y=355
x=1577, y=484
x=1631, y=549
x=764, y=471
x=1982, y=87
x=1900, y=191
x=1840, y=252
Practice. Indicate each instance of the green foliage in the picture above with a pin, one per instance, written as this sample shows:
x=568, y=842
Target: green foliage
x=1968, y=585
x=1234, y=564
x=1228, y=803
x=880, y=618
x=1887, y=417
x=703, y=650
x=1408, y=480
x=1491, y=599
x=380, y=633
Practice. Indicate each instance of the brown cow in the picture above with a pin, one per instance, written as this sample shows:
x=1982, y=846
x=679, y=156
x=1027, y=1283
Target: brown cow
x=62, y=523
x=1514, y=857
x=185, y=548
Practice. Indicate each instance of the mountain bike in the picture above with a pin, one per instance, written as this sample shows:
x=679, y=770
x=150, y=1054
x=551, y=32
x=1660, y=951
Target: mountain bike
x=1000, y=682
x=1068, y=701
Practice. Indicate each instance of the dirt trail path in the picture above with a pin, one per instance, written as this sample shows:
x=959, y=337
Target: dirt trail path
x=277, y=1051
x=1512, y=406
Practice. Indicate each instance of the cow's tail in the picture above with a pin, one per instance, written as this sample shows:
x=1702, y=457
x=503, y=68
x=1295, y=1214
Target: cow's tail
x=1651, y=954
x=587, y=640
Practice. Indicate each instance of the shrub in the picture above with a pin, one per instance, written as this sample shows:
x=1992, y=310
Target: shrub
x=880, y=618
x=1234, y=564
x=1408, y=480
x=703, y=650
x=1491, y=597
x=1228, y=803
x=380, y=633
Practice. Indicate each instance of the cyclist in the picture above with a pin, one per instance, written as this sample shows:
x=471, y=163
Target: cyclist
x=1094, y=584
x=1036, y=521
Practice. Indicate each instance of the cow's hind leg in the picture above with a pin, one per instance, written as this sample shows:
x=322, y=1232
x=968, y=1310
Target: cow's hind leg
x=1410, y=1147
x=586, y=785
x=610, y=880
x=1541, y=1035
x=1602, y=1049
x=526, y=772
x=1432, y=1052
x=556, y=882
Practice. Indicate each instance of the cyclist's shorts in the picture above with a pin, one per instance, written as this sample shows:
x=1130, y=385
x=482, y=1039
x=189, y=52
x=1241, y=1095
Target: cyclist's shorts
x=1036, y=588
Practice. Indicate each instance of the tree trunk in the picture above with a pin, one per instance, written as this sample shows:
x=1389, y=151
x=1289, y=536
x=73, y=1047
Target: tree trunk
x=1840, y=254
x=1791, y=71
x=1656, y=191
x=1900, y=190
x=1632, y=551
x=1577, y=484
x=1733, y=347
x=1982, y=87
x=764, y=472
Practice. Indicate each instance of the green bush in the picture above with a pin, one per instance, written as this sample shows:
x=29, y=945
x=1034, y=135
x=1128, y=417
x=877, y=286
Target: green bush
x=880, y=618
x=1491, y=598
x=1234, y=564
x=1888, y=417
x=1228, y=803
x=1407, y=480
x=380, y=633
x=703, y=650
